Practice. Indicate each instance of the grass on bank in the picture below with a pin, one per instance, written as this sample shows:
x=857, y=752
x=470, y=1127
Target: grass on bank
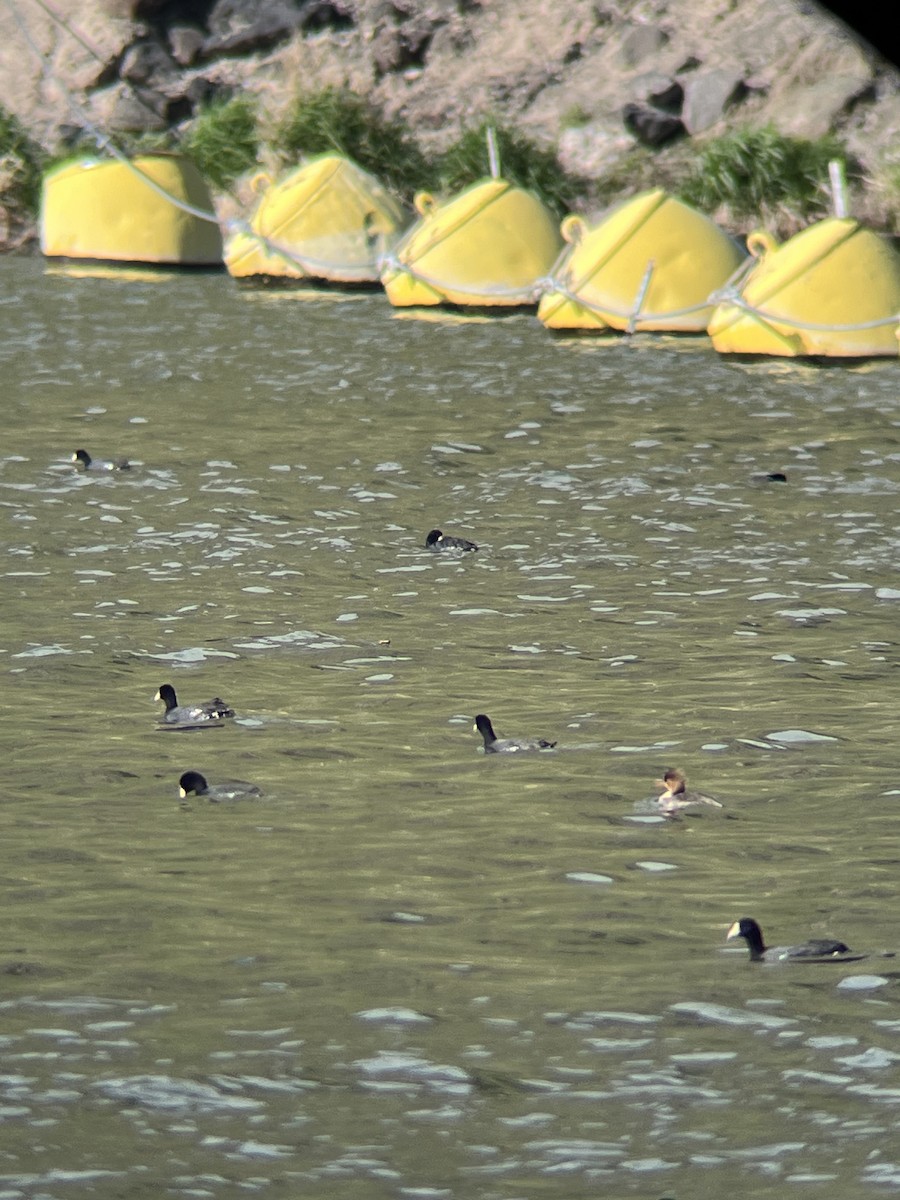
x=521, y=161
x=765, y=175
x=21, y=168
x=223, y=140
x=338, y=119
x=744, y=179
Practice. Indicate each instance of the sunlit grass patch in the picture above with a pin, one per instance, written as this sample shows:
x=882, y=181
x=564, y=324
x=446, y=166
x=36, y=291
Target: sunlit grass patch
x=223, y=140
x=336, y=119
x=761, y=173
x=521, y=161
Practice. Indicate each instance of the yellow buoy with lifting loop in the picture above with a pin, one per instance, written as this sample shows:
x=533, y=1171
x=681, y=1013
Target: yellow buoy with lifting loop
x=650, y=264
x=326, y=220
x=832, y=290
x=488, y=247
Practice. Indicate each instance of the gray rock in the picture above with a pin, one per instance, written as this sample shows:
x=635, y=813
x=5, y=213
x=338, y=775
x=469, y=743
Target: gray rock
x=641, y=42
x=126, y=109
x=146, y=61
x=825, y=81
x=707, y=95
x=185, y=43
x=237, y=28
x=228, y=18
x=250, y=39
x=815, y=109
x=650, y=125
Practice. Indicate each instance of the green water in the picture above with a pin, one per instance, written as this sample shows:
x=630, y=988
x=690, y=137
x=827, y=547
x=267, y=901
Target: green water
x=411, y=970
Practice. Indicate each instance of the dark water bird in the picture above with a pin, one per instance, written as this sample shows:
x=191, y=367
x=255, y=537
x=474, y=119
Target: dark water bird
x=440, y=541
x=822, y=949
x=84, y=460
x=192, y=783
x=495, y=745
x=676, y=795
x=212, y=712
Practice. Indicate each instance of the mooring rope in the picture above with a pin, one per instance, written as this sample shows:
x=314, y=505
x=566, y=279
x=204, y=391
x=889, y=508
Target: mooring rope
x=523, y=294
x=727, y=296
x=635, y=314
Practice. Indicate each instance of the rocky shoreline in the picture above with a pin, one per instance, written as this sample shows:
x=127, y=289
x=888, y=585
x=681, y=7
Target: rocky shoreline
x=594, y=80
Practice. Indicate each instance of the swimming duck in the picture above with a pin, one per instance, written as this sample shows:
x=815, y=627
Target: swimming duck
x=192, y=783
x=100, y=464
x=439, y=541
x=212, y=712
x=495, y=745
x=676, y=795
x=815, y=948
x=769, y=477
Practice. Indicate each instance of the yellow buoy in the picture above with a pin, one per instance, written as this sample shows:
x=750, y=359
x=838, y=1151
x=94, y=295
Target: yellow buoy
x=488, y=246
x=129, y=211
x=833, y=289
x=651, y=264
x=326, y=220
